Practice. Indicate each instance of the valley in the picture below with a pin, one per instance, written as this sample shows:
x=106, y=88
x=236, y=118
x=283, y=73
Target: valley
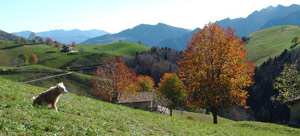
x=223, y=76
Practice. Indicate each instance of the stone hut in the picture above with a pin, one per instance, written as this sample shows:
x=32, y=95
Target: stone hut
x=295, y=112
x=142, y=100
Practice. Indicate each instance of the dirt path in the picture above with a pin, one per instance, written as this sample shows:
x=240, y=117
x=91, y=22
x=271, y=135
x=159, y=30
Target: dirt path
x=47, y=77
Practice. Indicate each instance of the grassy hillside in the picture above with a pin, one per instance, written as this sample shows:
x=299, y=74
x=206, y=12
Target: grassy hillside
x=85, y=116
x=27, y=73
x=118, y=48
x=50, y=57
x=270, y=42
x=77, y=83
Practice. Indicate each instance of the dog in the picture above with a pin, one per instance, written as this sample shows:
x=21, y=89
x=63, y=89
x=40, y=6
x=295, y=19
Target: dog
x=50, y=96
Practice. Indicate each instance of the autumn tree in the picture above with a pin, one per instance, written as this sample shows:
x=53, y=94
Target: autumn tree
x=172, y=88
x=145, y=83
x=57, y=45
x=287, y=84
x=49, y=41
x=73, y=45
x=33, y=59
x=214, y=70
x=295, y=40
x=113, y=80
x=39, y=39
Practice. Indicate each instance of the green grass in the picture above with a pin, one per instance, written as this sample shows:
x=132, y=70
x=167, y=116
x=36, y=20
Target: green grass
x=4, y=44
x=77, y=83
x=84, y=116
x=119, y=48
x=29, y=72
x=50, y=57
x=199, y=117
x=270, y=43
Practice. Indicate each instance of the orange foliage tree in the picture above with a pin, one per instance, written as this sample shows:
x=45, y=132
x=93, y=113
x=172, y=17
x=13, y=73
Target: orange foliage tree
x=57, y=45
x=172, y=88
x=213, y=70
x=49, y=41
x=113, y=80
x=73, y=45
x=33, y=59
x=146, y=83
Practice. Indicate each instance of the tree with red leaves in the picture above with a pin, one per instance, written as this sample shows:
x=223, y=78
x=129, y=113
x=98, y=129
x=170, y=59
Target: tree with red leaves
x=113, y=80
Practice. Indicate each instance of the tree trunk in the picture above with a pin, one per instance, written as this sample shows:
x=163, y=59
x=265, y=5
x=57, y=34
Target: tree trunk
x=171, y=110
x=215, y=117
x=207, y=111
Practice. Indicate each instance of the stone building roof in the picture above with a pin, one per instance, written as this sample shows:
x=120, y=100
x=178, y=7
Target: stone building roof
x=138, y=97
x=294, y=100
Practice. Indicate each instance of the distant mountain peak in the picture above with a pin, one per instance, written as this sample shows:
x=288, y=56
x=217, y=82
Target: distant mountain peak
x=149, y=35
x=257, y=19
x=66, y=36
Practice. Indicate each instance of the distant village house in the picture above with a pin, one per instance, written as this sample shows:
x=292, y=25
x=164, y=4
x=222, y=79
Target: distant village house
x=144, y=101
x=67, y=48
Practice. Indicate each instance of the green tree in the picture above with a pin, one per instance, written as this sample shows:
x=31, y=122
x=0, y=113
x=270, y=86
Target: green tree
x=287, y=84
x=24, y=58
x=31, y=37
x=18, y=40
x=171, y=87
x=146, y=83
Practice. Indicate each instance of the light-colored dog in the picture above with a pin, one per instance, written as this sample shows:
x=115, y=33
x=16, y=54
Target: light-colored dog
x=50, y=96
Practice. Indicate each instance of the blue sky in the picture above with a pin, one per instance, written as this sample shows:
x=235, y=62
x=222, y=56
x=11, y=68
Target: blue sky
x=117, y=15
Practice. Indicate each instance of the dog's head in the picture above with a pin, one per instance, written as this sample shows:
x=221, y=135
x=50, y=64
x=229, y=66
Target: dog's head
x=61, y=87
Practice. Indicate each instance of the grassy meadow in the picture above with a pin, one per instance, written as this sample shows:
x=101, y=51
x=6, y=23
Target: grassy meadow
x=49, y=56
x=77, y=83
x=79, y=115
x=270, y=42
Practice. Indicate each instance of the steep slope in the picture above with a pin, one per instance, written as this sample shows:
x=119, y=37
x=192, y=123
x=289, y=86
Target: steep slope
x=270, y=42
x=149, y=35
x=257, y=19
x=91, y=54
x=84, y=116
x=4, y=36
x=261, y=105
x=65, y=36
x=290, y=19
x=178, y=43
x=46, y=77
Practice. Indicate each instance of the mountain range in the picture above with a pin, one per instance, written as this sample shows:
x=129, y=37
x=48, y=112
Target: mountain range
x=292, y=18
x=149, y=35
x=4, y=36
x=178, y=43
x=164, y=35
x=258, y=19
x=65, y=36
